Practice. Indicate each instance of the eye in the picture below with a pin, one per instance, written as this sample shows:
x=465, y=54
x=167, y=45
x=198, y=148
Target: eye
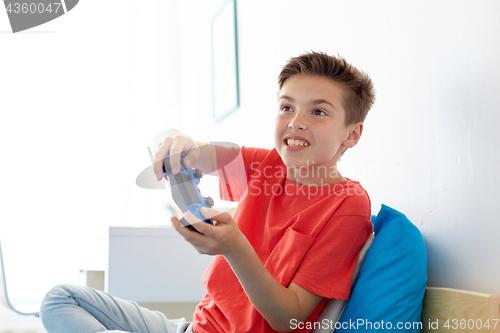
x=286, y=108
x=320, y=113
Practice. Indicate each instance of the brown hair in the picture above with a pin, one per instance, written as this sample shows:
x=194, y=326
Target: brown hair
x=359, y=93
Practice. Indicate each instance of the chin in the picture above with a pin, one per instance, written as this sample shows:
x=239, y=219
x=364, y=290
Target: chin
x=294, y=162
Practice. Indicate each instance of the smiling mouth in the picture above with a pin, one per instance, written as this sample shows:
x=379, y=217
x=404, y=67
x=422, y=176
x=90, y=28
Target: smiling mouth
x=296, y=143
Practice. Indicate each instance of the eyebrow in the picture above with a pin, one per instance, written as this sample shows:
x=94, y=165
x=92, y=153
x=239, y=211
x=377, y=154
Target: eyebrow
x=313, y=102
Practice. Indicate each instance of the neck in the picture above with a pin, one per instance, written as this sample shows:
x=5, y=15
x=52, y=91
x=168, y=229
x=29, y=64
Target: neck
x=314, y=175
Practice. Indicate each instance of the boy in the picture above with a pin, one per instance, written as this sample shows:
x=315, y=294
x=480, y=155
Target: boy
x=295, y=236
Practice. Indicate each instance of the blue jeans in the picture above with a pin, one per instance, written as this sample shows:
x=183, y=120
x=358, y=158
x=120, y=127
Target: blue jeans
x=76, y=309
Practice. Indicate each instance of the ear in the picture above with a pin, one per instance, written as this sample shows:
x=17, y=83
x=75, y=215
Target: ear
x=354, y=135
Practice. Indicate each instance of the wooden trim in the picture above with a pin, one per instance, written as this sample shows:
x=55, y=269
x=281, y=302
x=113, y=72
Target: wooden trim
x=495, y=311
x=453, y=310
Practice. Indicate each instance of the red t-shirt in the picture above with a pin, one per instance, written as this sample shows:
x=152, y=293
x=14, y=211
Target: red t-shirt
x=307, y=235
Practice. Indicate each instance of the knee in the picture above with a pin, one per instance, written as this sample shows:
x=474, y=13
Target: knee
x=54, y=299
x=61, y=290
x=58, y=295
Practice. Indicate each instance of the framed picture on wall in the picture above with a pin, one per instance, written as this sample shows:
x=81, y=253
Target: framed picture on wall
x=225, y=62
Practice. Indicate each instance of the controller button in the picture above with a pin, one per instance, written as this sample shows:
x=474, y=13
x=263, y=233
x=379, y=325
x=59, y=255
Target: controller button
x=209, y=202
x=197, y=174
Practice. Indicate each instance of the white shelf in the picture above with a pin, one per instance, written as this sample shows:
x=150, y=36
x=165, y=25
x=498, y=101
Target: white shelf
x=154, y=265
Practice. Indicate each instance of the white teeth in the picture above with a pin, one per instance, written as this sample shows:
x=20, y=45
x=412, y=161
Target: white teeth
x=296, y=143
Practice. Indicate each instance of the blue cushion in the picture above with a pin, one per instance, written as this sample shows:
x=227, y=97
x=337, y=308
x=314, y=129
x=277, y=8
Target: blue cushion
x=391, y=284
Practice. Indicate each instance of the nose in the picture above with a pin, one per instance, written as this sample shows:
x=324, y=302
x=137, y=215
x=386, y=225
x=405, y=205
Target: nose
x=298, y=122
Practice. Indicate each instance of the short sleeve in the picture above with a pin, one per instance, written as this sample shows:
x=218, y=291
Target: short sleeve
x=236, y=166
x=327, y=267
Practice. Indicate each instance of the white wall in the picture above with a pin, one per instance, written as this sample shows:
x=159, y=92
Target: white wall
x=80, y=97
x=429, y=146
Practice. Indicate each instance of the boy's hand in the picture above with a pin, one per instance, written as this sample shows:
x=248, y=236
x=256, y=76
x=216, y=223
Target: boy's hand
x=224, y=237
x=174, y=144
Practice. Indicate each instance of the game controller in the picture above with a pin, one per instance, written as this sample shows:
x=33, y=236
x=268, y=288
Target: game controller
x=185, y=192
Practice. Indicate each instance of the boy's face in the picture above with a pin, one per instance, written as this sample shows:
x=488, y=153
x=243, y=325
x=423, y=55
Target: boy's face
x=310, y=124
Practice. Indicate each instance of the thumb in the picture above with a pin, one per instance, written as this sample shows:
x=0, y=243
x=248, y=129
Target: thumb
x=212, y=214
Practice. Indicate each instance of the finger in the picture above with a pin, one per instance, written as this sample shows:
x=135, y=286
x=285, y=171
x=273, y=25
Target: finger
x=179, y=146
x=192, y=156
x=160, y=154
x=164, y=175
x=175, y=156
x=196, y=223
x=175, y=222
x=179, y=227
x=192, y=237
x=191, y=218
x=212, y=214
